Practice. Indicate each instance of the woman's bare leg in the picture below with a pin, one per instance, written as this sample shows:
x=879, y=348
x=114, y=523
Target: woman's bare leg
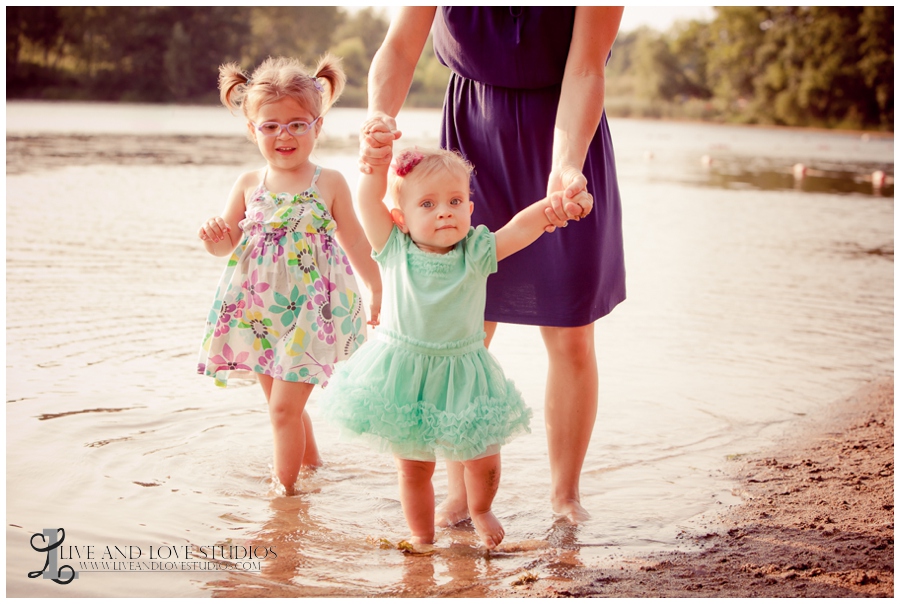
x=417, y=498
x=291, y=428
x=569, y=412
x=454, y=509
x=482, y=477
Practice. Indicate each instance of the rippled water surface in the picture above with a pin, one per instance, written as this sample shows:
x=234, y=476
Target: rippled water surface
x=754, y=299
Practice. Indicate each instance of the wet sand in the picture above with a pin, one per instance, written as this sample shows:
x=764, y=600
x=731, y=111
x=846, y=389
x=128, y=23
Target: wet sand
x=816, y=520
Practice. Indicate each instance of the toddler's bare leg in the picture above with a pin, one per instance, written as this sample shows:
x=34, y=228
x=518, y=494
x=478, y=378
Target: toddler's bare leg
x=417, y=498
x=482, y=480
x=454, y=509
x=311, y=457
x=287, y=401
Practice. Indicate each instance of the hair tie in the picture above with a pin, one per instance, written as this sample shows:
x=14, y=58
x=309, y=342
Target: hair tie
x=406, y=161
x=317, y=84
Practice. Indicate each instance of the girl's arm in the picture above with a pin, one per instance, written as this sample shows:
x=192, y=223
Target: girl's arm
x=376, y=218
x=220, y=234
x=352, y=239
x=526, y=226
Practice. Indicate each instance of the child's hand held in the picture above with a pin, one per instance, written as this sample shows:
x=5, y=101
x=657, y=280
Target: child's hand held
x=376, y=141
x=580, y=205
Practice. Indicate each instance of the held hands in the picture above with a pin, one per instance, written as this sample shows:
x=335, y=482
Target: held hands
x=376, y=141
x=214, y=230
x=569, y=199
x=560, y=210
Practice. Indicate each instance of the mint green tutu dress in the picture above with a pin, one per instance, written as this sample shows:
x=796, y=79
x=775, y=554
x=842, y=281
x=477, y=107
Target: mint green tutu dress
x=425, y=385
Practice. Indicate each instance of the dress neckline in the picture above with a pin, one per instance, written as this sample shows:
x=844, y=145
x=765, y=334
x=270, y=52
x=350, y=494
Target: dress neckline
x=312, y=184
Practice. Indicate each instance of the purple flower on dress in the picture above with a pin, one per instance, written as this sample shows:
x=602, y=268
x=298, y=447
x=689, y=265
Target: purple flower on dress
x=321, y=303
x=254, y=287
x=228, y=362
x=268, y=365
x=226, y=313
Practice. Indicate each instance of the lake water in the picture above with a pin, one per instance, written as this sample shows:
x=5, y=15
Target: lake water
x=754, y=300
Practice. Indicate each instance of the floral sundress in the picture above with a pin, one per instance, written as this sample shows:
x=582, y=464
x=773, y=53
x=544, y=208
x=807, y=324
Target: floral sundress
x=287, y=305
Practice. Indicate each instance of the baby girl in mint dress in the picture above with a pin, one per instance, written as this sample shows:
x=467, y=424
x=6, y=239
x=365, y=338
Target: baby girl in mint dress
x=425, y=385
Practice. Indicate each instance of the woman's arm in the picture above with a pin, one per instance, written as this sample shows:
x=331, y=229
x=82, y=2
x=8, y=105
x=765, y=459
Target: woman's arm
x=390, y=77
x=220, y=234
x=582, y=95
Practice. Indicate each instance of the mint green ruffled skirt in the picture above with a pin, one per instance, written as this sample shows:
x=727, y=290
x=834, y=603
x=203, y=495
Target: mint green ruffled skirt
x=421, y=401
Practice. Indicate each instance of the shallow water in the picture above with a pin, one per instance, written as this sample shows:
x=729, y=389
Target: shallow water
x=754, y=299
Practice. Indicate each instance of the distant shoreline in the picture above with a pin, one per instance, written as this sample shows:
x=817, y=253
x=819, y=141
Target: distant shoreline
x=882, y=134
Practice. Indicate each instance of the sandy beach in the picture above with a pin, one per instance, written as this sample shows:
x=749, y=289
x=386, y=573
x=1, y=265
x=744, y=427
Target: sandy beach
x=816, y=520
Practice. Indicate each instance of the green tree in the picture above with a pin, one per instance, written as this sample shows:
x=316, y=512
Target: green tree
x=304, y=32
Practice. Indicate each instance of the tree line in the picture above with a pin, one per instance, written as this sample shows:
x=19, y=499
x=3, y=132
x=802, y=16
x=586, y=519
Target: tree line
x=795, y=66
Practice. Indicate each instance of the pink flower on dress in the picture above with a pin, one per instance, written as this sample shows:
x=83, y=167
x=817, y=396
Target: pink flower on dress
x=268, y=365
x=254, y=287
x=226, y=313
x=321, y=303
x=228, y=362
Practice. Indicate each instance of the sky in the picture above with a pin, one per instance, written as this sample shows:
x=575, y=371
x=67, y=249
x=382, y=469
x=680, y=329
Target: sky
x=662, y=17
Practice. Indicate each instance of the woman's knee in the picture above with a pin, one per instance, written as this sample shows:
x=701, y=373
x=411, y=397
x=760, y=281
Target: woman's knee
x=575, y=344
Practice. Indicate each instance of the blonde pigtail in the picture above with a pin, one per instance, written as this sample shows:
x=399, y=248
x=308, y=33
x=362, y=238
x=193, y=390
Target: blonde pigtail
x=232, y=85
x=329, y=70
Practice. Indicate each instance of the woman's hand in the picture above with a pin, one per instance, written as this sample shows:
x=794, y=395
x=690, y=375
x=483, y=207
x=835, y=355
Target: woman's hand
x=574, y=202
x=376, y=140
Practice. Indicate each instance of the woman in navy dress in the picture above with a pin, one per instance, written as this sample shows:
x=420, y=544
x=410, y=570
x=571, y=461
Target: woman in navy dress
x=525, y=106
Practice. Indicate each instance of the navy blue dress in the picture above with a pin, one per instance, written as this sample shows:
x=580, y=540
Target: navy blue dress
x=507, y=68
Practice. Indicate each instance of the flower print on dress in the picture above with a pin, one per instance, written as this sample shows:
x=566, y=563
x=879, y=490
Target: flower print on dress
x=320, y=303
x=267, y=364
x=229, y=313
x=228, y=361
x=303, y=259
x=254, y=287
x=288, y=308
x=260, y=327
x=274, y=332
x=348, y=316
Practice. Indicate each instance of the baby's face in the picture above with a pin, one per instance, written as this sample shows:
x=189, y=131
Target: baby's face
x=435, y=210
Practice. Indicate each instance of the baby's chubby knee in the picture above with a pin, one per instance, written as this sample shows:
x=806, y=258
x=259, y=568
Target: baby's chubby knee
x=413, y=471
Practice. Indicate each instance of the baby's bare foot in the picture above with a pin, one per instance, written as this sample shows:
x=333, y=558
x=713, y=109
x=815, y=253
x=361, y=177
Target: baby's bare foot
x=572, y=510
x=489, y=529
x=451, y=513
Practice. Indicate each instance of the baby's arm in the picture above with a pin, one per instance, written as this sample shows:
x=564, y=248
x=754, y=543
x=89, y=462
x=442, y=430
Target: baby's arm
x=376, y=218
x=220, y=234
x=353, y=241
x=526, y=226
